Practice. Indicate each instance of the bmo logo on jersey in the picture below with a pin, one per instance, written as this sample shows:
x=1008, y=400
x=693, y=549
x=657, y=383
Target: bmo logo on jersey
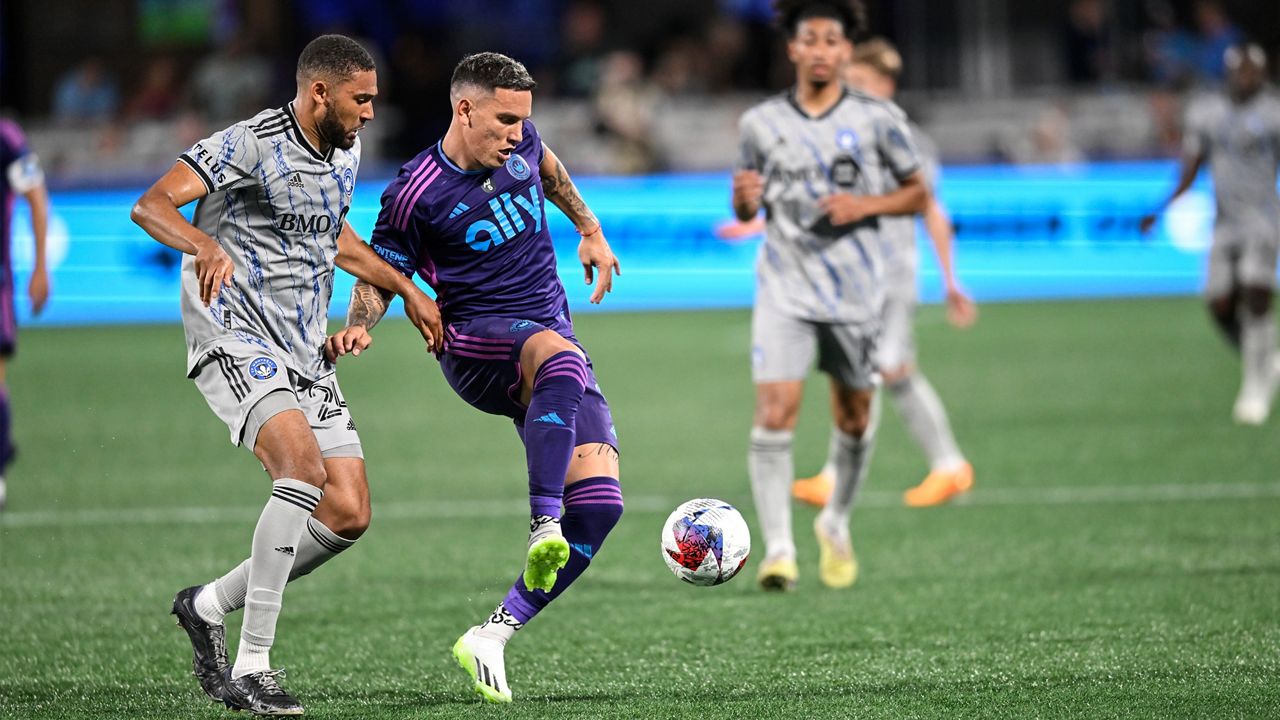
x=508, y=220
x=317, y=224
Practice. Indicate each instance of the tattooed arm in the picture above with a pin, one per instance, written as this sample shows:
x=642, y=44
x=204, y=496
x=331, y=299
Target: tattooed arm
x=369, y=302
x=594, y=251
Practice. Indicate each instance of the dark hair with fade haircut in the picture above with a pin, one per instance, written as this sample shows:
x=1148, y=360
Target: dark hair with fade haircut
x=851, y=14
x=490, y=71
x=333, y=57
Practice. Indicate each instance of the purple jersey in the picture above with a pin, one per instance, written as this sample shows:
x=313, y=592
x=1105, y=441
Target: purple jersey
x=18, y=168
x=478, y=237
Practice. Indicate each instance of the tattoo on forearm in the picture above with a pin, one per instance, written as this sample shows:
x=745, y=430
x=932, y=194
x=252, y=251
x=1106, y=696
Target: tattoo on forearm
x=560, y=190
x=368, y=305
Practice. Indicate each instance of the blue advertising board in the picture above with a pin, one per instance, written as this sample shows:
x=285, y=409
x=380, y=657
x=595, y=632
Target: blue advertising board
x=1023, y=233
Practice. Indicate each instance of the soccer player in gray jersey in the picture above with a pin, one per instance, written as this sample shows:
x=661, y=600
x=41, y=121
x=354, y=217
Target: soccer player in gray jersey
x=1238, y=134
x=875, y=69
x=273, y=193
x=815, y=159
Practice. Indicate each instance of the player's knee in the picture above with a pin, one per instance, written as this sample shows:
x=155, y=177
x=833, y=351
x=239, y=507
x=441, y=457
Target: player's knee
x=1257, y=301
x=855, y=425
x=307, y=470
x=350, y=522
x=566, y=371
x=1223, y=310
x=897, y=374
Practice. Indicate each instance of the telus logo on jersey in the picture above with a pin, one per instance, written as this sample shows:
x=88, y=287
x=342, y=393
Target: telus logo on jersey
x=508, y=220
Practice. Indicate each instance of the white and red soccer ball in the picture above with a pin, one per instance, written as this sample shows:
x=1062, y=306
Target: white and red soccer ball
x=705, y=542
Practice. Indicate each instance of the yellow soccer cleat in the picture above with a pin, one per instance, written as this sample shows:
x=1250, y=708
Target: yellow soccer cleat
x=940, y=486
x=814, y=490
x=837, y=565
x=778, y=575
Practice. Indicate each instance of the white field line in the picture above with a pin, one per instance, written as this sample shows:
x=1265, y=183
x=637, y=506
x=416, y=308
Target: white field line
x=479, y=509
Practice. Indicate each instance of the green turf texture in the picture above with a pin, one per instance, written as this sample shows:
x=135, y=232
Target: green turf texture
x=1120, y=556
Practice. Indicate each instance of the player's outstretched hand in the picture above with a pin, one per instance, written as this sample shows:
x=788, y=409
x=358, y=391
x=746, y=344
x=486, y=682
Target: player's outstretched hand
x=962, y=311
x=748, y=188
x=351, y=340
x=213, y=270
x=423, y=312
x=1146, y=223
x=843, y=208
x=595, y=254
x=38, y=289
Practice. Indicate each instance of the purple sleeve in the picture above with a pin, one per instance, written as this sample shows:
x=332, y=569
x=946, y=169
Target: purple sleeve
x=14, y=141
x=395, y=245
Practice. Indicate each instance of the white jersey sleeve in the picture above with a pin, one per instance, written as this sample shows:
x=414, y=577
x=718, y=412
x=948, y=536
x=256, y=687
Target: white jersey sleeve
x=227, y=160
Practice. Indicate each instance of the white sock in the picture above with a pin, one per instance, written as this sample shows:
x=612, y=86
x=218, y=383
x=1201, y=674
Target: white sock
x=501, y=625
x=317, y=546
x=1257, y=350
x=852, y=458
x=275, y=543
x=771, y=468
x=926, y=420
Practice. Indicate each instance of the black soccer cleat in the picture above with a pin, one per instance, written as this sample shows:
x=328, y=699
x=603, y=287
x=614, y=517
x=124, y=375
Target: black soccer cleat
x=259, y=693
x=208, y=644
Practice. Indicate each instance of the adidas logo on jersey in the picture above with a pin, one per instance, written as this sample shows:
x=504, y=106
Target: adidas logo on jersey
x=550, y=417
x=459, y=209
x=295, y=181
x=286, y=549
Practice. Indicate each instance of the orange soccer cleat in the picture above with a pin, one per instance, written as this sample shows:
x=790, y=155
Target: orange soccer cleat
x=814, y=490
x=940, y=486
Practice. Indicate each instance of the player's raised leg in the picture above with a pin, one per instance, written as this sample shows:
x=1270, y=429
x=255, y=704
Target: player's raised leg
x=855, y=412
x=553, y=380
x=592, y=507
x=926, y=419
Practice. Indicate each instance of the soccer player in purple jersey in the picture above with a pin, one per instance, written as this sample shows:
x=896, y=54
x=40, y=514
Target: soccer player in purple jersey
x=20, y=174
x=467, y=215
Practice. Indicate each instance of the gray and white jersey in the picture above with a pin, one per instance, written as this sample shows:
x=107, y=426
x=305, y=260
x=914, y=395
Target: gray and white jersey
x=898, y=232
x=1242, y=146
x=808, y=268
x=276, y=205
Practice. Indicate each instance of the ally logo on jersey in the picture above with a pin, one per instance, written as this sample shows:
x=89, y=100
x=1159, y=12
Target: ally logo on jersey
x=506, y=218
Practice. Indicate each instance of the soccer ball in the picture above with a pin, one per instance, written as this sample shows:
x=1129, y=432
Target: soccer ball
x=705, y=542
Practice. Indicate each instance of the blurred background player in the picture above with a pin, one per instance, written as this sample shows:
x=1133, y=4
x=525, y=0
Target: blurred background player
x=20, y=174
x=269, y=227
x=875, y=70
x=1238, y=134
x=467, y=215
x=815, y=159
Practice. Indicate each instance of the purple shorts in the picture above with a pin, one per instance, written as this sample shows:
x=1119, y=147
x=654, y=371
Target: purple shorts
x=481, y=361
x=8, y=322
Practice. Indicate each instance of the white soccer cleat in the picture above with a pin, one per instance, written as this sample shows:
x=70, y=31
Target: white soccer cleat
x=482, y=659
x=1251, y=410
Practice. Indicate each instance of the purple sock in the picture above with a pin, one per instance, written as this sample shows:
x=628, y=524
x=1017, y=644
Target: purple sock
x=6, y=444
x=549, y=429
x=591, y=509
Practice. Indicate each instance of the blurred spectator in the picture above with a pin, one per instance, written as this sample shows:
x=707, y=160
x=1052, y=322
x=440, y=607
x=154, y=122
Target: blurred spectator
x=1088, y=42
x=682, y=66
x=233, y=82
x=1214, y=34
x=625, y=106
x=421, y=94
x=583, y=33
x=85, y=94
x=157, y=97
x=1051, y=140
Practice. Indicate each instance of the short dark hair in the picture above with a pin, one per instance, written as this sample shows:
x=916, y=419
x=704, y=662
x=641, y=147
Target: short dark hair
x=490, y=71
x=333, y=57
x=851, y=14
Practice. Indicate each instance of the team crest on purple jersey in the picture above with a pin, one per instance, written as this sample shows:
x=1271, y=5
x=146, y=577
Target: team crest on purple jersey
x=517, y=166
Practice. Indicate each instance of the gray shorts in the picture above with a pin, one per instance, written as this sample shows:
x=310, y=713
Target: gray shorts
x=783, y=348
x=1241, y=257
x=897, y=346
x=246, y=386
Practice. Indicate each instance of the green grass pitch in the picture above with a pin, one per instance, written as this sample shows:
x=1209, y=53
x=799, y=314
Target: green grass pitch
x=1120, y=556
